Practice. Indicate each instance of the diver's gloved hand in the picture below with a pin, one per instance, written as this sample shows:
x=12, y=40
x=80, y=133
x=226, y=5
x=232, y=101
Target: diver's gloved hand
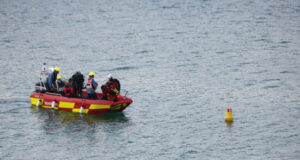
x=116, y=91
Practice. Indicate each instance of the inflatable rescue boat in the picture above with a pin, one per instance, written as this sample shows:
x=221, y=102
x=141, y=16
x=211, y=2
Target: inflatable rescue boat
x=80, y=105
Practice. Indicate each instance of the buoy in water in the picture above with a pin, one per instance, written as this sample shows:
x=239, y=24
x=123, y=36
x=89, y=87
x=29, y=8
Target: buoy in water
x=229, y=117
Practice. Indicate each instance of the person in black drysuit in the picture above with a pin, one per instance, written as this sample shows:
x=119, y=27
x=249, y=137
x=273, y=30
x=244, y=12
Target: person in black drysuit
x=77, y=84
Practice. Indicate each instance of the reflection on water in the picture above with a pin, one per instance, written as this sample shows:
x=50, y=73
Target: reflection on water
x=68, y=122
x=229, y=124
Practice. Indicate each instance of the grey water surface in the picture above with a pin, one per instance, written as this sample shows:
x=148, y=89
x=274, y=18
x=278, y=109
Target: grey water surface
x=183, y=62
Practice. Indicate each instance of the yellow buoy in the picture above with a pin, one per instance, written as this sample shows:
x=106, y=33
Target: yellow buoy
x=229, y=117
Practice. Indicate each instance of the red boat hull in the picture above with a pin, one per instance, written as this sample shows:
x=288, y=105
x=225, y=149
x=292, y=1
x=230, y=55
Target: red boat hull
x=79, y=105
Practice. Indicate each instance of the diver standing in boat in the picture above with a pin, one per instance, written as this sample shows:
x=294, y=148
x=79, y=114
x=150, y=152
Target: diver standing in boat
x=51, y=79
x=91, y=86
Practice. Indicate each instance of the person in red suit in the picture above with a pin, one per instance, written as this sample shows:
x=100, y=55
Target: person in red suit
x=111, y=88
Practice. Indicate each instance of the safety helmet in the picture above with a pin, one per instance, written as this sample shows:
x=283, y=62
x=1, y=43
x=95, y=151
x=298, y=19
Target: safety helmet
x=58, y=77
x=110, y=76
x=57, y=69
x=91, y=74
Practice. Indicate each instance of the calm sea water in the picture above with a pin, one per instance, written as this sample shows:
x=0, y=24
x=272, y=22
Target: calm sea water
x=182, y=62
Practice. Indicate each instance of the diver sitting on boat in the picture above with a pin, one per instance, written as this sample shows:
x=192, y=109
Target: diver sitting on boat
x=111, y=88
x=68, y=89
x=77, y=84
x=51, y=79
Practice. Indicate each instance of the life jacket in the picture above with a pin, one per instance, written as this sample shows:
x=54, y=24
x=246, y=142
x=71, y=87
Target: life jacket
x=89, y=85
x=68, y=90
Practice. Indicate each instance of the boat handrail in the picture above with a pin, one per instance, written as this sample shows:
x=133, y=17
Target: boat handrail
x=125, y=91
x=55, y=94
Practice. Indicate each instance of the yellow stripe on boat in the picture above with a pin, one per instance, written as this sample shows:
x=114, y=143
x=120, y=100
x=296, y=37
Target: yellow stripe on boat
x=99, y=106
x=66, y=105
x=35, y=100
x=77, y=110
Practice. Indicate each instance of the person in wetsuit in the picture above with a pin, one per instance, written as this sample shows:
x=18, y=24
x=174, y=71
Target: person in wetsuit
x=77, y=84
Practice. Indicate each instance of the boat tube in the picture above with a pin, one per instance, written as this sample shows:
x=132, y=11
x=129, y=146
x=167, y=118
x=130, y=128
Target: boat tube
x=80, y=105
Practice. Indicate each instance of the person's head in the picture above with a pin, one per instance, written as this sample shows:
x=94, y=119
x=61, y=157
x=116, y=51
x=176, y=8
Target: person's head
x=56, y=70
x=91, y=74
x=70, y=80
x=109, y=77
x=58, y=77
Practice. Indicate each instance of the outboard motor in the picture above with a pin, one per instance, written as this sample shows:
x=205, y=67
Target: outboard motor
x=40, y=87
